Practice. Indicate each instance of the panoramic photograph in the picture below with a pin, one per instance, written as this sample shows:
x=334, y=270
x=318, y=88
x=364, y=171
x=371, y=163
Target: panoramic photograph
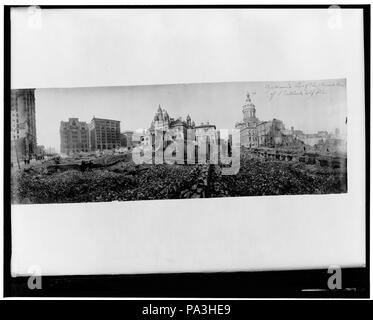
x=178, y=141
x=186, y=152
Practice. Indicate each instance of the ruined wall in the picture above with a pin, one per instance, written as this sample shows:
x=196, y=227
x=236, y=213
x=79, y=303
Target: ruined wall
x=333, y=161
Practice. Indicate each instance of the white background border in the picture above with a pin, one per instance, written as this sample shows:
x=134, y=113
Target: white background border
x=332, y=237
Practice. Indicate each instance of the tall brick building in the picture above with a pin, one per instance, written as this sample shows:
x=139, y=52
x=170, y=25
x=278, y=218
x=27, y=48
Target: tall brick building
x=104, y=134
x=23, y=125
x=74, y=136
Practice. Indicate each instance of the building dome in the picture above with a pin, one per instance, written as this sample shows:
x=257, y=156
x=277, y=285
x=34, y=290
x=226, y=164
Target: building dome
x=249, y=111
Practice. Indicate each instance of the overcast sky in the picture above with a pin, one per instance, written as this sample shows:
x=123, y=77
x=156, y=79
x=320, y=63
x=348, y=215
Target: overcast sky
x=86, y=48
x=309, y=106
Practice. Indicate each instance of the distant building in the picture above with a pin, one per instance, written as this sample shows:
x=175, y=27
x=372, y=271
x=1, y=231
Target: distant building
x=271, y=133
x=298, y=133
x=126, y=139
x=255, y=133
x=23, y=126
x=248, y=130
x=50, y=151
x=104, y=134
x=263, y=132
x=323, y=134
x=312, y=139
x=184, y=135
x=331, y=145
x=40, y=150
x=206, y=131
x=74, y=136
x=170, y=129
x=123, y=140
x=176, y=127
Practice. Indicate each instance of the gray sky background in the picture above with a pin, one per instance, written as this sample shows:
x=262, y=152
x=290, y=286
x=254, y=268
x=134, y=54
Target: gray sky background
x=308, y=105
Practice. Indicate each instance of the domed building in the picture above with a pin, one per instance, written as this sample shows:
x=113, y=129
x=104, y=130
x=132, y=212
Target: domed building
x=255, y=133
x=248, y=127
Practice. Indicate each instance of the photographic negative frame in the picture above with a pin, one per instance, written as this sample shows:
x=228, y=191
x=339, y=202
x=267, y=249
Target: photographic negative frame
x=248, y=284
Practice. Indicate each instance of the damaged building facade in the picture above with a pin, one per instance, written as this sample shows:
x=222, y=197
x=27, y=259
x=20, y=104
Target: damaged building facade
x=23, y=125
x=188, y=138
x=255, y=133
x=273, y=133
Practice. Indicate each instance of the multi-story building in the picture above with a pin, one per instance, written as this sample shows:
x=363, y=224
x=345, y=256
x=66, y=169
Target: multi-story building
x=74, y=136
x=248, y=130
x=128, y=139
x=168, y=130
x=165, y=130
x=177, y=128
x=104, y=134
x=125, y=140
x=255, y=133
x=206, y=131
x=263, y=131
x=270, y=133
x=50, y=151
x=23, y=126
x=40, y=150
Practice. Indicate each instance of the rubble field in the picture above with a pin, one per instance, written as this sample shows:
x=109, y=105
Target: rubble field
x=257, y=178
x=121, y=182
x=124, y=181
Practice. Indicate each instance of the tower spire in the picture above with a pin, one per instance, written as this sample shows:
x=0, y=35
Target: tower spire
x=249, y=111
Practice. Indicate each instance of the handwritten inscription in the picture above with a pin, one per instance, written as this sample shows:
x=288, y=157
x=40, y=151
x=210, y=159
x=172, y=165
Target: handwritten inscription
x=301, y=88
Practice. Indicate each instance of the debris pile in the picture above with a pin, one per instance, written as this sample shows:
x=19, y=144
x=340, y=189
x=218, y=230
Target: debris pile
x=257, y=178
x=120, y=180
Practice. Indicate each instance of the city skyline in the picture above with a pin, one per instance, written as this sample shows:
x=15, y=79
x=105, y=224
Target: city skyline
x=309, y=106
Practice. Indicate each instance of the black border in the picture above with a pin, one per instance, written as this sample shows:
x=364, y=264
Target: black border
x=263, y=284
